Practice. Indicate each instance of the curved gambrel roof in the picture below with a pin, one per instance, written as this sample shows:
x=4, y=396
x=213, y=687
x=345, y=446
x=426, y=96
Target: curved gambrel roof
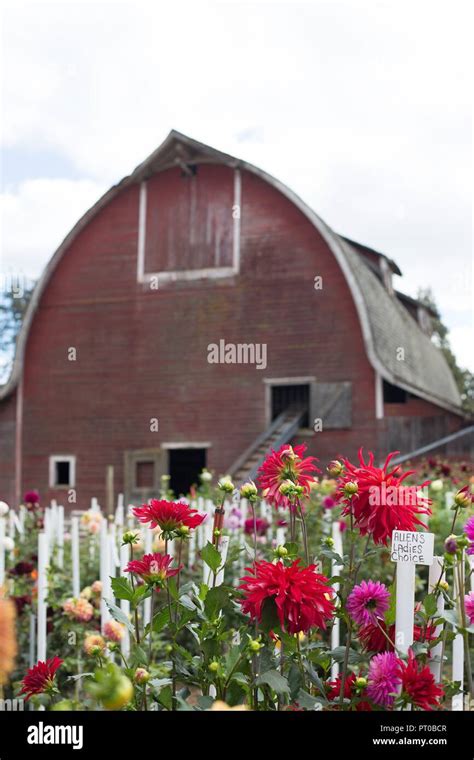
x=386, y=325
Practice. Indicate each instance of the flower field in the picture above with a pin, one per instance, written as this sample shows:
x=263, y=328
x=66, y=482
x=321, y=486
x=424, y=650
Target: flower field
x=287, y=594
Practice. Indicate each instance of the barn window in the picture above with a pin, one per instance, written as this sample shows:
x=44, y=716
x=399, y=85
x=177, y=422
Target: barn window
x=286, y=396
x=144, y=474
x=184, y=468
x=62, y=471
x=392, y=394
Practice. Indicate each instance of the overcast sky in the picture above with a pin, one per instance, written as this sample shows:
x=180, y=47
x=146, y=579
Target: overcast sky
x=362, y=107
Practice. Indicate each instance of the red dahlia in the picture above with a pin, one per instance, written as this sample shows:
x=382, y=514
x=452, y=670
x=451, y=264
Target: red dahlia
x=334, y=691
x=40, y=677
x=373, y=639
x=302, y=596
x=169, y=516
x=382, y=502
x=154, y=569
x=285, y=464
x=418, y=684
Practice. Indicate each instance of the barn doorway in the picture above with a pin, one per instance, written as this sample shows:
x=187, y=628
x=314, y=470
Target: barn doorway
x=285, y=396
x=184, y=468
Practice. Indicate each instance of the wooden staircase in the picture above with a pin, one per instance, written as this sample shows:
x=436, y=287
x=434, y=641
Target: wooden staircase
x=282, y=430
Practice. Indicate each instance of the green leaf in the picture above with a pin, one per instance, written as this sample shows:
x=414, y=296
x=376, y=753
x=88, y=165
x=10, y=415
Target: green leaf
x=307, y=702
x=119, y=616
x=292, y=548
x=165, y=697
x=140, y=593
x=159, y=683
x=430, y=605
x=211, y=557
x=295, y=680
x=161, y=619
x=122, y=588
x=269, y=619
x=203, y=589
x=216, y=600
x=277, y=682
x=338, y=655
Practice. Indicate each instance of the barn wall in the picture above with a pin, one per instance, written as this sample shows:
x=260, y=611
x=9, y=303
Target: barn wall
x=7, y=449
x=141, y=353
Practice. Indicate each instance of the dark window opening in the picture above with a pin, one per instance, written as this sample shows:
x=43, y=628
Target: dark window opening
x=144, y=474
x=184, y=468
x=286, y=396
x=392, y=394
x=62, y=473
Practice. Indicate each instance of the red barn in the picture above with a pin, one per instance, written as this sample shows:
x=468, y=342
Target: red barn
x=198, y=313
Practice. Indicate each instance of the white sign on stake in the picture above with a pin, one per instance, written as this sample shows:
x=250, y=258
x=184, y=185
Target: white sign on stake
x=409, y=548
x=412, y=547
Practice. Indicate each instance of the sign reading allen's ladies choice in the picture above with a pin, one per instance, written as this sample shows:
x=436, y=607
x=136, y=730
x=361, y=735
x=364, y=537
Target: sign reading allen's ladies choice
x=413, y=547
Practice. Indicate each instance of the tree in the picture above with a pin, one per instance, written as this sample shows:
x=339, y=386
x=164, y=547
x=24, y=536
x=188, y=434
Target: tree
x=14, y=302
x=463, y=377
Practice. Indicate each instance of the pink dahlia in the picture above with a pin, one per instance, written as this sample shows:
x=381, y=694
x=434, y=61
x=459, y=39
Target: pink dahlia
x=302, y=596
x=169, y=516
x=383, y=679
x=418, y=684
x=469, y=602
x=286, y=464
x=154, y=569
x=469, y=531
x=382, y=503
x=40, y=677
x=368, y=601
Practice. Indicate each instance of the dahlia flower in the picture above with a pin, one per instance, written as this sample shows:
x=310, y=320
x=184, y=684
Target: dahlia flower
x=97, y=587
x=78, y=609
x=368, y=601
x=8, y=645
x=170, y=516
x=154, y=569
x=94, y=644
x=418, y=684
x=40, y=677
x=372, y=637
x=469, y=531
x=114, y=631
x=464, y=497
x=383, y=679
x=286, y=464
x=350, y=690
x=302, y=597
x=259, y=524
x=382, y=502
x=469, y=603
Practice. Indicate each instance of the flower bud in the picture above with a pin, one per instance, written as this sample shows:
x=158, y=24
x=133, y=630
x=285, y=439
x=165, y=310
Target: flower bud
x=444, y=585
x=141, y=675
x=350, y=488
x=281, y=551
x=249, y=491
x=225, y=484
x=329, y=542
x=255, y=645
x=183, y=531
x=451, y=544
x=462, y=499
x=335, y=468
x=361, y=682
x=213, y=666
x=130, y=538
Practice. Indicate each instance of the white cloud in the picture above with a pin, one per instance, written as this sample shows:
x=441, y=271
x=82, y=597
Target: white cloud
x=362, y=108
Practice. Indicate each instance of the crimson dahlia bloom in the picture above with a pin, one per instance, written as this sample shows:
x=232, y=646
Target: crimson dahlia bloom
x=169, y=516
x=418, y=684
x=259, y=524
x=154, y=569
x=40, y=677
x=288, y=463
x=302, y=596
x=372, y=638
x=334, y=691
x=383, y=503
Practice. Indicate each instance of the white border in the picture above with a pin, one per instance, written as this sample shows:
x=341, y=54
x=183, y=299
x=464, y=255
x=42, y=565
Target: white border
x=53, y=460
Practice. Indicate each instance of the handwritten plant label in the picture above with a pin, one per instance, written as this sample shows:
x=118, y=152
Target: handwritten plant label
x=412, y=547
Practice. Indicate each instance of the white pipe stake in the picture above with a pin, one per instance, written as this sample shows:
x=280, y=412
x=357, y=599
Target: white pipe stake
x=42, y=586
x=405, y=615
x=76, y=578
x=436, y=576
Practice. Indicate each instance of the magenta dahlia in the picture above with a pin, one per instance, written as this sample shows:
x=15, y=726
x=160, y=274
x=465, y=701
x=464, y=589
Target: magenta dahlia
x=383, y=678
x=368, y=601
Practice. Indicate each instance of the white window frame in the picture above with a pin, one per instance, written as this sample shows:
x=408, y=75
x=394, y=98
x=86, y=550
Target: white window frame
x=53, y=461
x=209, y=273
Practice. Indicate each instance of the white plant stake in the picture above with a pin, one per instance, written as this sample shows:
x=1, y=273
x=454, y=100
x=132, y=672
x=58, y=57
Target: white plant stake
x=336, y=570
x=76, y=578
x=409, y=548
x=60, y=536
x=147, y=602
x=42, y=587
x=104, y=574
x=436, y=576
x=223, y=548
x=458, y=646
x=124, y=603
